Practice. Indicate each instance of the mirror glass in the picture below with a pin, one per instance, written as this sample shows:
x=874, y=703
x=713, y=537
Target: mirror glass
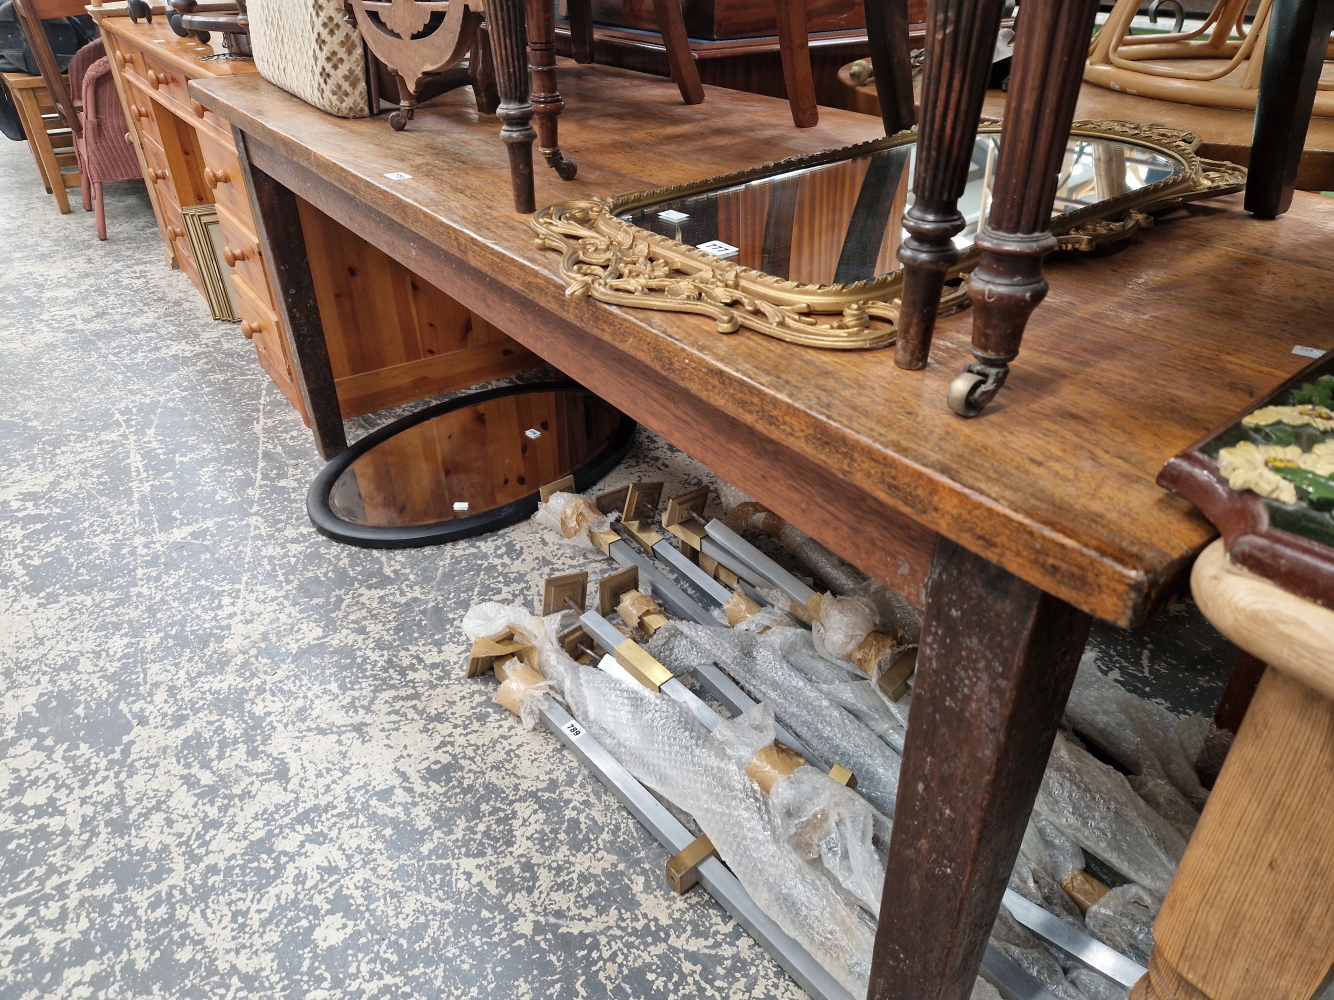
x=474, y=459
x=842, y=222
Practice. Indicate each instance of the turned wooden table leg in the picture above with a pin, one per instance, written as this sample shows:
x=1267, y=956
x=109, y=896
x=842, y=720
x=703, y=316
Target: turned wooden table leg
x=891, y=61
x=1007, y=284
x=505, y=23
x=960, y=40
x=278, y=222
x=997, y=660
x=1294, y=56
x=1250, y=911
x=547, y=103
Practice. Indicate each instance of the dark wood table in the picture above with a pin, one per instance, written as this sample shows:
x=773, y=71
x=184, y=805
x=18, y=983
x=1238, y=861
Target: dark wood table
x=1011, y=529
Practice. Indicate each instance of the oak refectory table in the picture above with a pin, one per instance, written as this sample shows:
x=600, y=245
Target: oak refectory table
x=1012, y=530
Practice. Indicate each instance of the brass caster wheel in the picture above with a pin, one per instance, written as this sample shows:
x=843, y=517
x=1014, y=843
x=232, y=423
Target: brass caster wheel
x=566, y=168
x=963, y=396
x=398, y=121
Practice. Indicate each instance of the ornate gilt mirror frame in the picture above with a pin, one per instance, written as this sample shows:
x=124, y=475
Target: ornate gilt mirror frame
x=619, y=263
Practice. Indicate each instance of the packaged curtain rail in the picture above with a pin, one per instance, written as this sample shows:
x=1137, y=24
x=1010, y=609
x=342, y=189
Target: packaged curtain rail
x=1095, y=807
x=892, y=610
x=804, y=852
x=756, y=662
x=846, y=684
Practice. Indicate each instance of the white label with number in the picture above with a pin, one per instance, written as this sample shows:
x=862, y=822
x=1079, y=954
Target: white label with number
x=717, y=248
x=398, y=175
x=1308, y=352
x=573, y=729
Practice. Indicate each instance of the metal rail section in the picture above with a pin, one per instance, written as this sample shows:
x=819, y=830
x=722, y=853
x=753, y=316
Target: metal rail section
x=809, y=974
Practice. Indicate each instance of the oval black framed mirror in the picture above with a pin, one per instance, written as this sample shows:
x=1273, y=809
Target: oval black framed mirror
x=466, y=466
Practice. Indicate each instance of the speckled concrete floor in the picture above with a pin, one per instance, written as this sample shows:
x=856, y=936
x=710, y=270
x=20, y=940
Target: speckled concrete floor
x=240, y=760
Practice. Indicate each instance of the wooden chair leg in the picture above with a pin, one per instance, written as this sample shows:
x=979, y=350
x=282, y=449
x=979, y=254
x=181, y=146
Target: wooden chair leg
x=1007, y=284
x=1248, y=914
x=794, y=49
x=482, y=74
x=581, y=29
x=997, y=660
x=546, y=100
x=672, y=27
x=100, y=210
x=891, y=61
x=505, y=19
x=1294, y=56
x=960, y=40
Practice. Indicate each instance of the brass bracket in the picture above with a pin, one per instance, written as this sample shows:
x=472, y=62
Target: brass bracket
x=642, y=533
x=571, y=639
x=641, y=665
x=843, y=776
x=690, y=532
x=681, y=868
x=681, y=506
x=556, y=589
x=894, y=681
x=641, y=501
x=612, y=499
x=611, y=587
x=603, y=540
x=486, y=652
x=565, y=485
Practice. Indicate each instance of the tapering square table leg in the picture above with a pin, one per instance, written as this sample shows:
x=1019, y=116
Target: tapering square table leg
x=997, y=660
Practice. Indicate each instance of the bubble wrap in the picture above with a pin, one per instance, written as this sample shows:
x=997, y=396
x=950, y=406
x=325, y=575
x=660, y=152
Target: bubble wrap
x=756, y=663
x=1154, y=788
x=1123, y=919
x=842, y=624
x=572, y=517
x=845, y=684
x=1027, y=951
x=892, y=609
x=668, y=750
x=1122, y=724
x=824, y=821
x=1095, y=807
x=1096, y=986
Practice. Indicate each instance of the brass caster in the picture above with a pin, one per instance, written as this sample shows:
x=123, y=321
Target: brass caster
x=566, y=168
x=398, y=121
x=963, y=397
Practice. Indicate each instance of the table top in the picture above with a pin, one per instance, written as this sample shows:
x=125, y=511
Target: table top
x=1135, y=354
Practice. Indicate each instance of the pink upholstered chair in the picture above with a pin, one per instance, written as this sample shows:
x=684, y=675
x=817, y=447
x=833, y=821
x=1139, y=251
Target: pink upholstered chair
x=102, y=148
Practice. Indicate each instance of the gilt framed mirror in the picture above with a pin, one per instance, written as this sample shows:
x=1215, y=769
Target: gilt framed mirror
x=804, y=249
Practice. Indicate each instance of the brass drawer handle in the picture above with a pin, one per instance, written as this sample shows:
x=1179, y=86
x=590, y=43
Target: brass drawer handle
x=215, y=177
x=248, y=329
x=232, y=256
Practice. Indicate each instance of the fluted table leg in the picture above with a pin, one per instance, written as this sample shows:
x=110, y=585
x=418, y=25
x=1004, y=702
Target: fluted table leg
x=505, y=20
x=960, y=41
x=547, y=103
x=1007, y=284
